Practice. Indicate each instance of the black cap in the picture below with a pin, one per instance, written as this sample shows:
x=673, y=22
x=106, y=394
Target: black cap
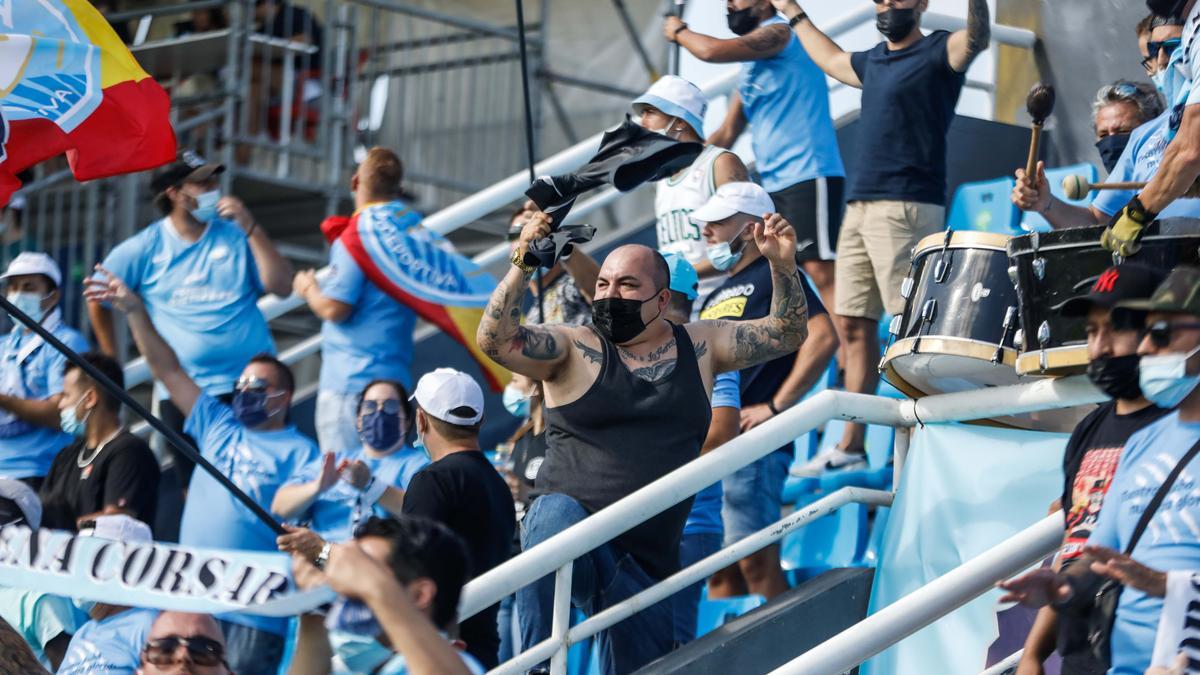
x=190, y=167
x=1130, y=281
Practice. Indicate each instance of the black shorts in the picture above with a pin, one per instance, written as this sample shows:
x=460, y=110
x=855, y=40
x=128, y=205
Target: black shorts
x=814, y=208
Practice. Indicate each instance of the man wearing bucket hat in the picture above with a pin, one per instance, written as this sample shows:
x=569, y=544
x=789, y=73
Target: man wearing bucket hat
x=200, y=269
x=753, y=494
x=1095, y=446
x=31, y=371
x=675, y=107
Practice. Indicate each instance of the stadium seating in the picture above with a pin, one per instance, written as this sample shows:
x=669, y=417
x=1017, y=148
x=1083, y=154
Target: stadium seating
x=1034, y=222
x=985, y=206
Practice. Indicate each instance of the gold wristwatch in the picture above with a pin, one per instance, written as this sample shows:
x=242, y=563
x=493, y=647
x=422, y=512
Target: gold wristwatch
x=518, y=261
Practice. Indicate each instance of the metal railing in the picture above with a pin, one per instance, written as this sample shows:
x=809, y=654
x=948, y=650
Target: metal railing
x=557, y=553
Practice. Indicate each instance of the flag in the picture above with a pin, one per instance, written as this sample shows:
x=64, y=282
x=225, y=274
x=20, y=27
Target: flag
x=68, y=84
x=418, y=269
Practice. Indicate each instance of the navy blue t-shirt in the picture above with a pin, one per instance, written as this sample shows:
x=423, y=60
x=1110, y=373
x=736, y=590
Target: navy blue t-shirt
x=747, y=295
x=908, y=102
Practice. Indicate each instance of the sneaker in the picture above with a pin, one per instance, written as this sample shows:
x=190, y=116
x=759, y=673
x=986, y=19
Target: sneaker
x=831, y=460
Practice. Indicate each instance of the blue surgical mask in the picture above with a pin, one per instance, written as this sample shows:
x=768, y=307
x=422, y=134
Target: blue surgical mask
x=206, y=205
x=380, y=430
x=516, y=402
x=1171, y=81
x=70, y=423
x=722, y=256
x=29, y=303
x=1164, y=379
x=250, y=407
x=359, y=653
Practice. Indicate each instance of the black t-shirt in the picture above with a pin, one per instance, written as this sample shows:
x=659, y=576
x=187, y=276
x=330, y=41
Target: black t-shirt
x=291, y=21
x=747, y=295
x=1089, y=462
x=529, y=451
x=124, y=474
x=464, y=492
x=908, y=102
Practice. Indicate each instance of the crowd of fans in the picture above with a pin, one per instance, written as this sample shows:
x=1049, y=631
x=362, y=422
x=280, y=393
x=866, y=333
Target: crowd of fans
x=723, y=327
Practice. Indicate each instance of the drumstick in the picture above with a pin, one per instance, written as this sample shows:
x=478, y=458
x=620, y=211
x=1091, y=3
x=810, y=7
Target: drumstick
x=1039, y=103
x=1077, y=187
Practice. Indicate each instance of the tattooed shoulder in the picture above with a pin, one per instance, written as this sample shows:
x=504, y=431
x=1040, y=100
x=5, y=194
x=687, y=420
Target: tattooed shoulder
x=589, y=353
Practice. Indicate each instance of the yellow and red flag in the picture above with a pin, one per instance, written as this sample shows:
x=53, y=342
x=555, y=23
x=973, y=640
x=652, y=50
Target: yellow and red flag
x=68, y=84
x=418, y=268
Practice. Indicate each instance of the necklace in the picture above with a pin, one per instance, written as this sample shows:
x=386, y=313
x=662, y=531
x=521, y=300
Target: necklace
x=83, y=464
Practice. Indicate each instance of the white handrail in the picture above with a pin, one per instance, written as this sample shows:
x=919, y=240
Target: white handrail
x=660, y=495
x=694, y=573
x=930, y=602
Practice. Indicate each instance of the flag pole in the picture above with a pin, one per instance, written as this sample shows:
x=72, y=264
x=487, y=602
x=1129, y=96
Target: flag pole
x=123, y=396
x=531, y=155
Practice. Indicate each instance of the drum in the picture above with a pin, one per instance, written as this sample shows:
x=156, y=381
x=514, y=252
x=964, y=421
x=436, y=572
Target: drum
x=959, y=320
x=1050, y=267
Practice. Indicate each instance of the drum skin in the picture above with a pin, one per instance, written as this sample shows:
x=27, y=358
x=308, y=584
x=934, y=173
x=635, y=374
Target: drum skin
x=1071, y=260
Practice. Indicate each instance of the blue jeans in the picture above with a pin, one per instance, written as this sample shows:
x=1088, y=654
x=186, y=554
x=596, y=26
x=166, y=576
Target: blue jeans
x=600, y=579
x=250, y=651
x=754, y=496
x=692, y=549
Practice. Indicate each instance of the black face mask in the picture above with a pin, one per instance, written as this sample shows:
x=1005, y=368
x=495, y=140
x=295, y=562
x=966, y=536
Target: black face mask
x=1110, y=148
x=619, y=320
x=896, y=23
x=1116, y=376
x=742, y=21
x=1167, y=8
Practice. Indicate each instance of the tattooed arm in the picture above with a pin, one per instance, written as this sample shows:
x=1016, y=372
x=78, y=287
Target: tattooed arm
x=761, y=43
x=536, y=351
x=964, y=45
x=740, y=344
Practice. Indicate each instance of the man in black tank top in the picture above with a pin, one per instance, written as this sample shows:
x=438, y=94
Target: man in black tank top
x=627, y=402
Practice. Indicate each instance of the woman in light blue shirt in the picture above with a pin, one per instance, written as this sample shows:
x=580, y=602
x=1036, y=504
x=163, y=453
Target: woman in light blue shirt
x=336, y=492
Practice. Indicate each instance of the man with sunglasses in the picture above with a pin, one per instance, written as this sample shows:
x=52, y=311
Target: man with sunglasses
x=1141, y=156
x=249, y=441
x=187, y=643
x=1094, y=449
x=1168, y=373
x=754, y=494
x=911, y=83
x=1176, y=175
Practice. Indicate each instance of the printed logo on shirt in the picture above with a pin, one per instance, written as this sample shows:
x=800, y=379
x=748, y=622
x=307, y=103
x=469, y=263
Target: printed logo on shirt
x=219, y=252
x=733, y=308
x=246, y=471
x=531, y=469
x=86, y=657
x=1087, y=497
x=675, y=226
x=1175, y=520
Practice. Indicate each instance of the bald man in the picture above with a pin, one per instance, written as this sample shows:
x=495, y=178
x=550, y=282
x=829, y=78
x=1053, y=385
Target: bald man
x=627, y=402
x=180, y=642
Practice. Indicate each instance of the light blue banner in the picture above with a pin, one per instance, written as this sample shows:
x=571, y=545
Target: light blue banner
x=963, y=490
x=157, y=575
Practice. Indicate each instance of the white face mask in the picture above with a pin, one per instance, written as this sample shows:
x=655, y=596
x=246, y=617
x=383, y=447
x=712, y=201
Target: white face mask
x=1164, y=379
x=29, y=303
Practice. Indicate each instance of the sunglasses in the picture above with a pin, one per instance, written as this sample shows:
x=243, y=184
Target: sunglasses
x=391, y=406
x=251, y=383
x=201, y=651
x=1153, y=48
x=1159, y=332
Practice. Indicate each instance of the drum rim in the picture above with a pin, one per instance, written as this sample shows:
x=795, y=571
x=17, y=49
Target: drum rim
x=963, y=239
x=1093, y=244
x=1008, y=358
x=1057, y=358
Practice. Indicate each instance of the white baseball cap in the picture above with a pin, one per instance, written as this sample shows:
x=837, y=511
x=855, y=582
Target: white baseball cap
x=30, y=262
x=748, y=198
x=120, y=527
x=25, y=498
x=446, y=389
x=676, y=97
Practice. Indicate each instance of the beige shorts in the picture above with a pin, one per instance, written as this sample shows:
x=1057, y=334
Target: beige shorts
x=874, y=251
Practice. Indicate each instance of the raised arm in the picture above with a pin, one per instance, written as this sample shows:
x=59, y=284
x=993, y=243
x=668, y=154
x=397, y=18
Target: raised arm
x=274, y=271
x=740, y=344
x=102, y=327
x=761, y=43
x=164, y=365
x=732, y=126
x=821, y=49
x=964, y=45
x=534, y=351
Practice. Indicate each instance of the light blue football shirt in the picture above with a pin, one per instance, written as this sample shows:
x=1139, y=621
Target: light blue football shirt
x=111, y=646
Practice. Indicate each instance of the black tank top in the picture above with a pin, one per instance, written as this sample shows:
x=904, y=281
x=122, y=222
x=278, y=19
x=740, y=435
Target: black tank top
x=624, y=433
